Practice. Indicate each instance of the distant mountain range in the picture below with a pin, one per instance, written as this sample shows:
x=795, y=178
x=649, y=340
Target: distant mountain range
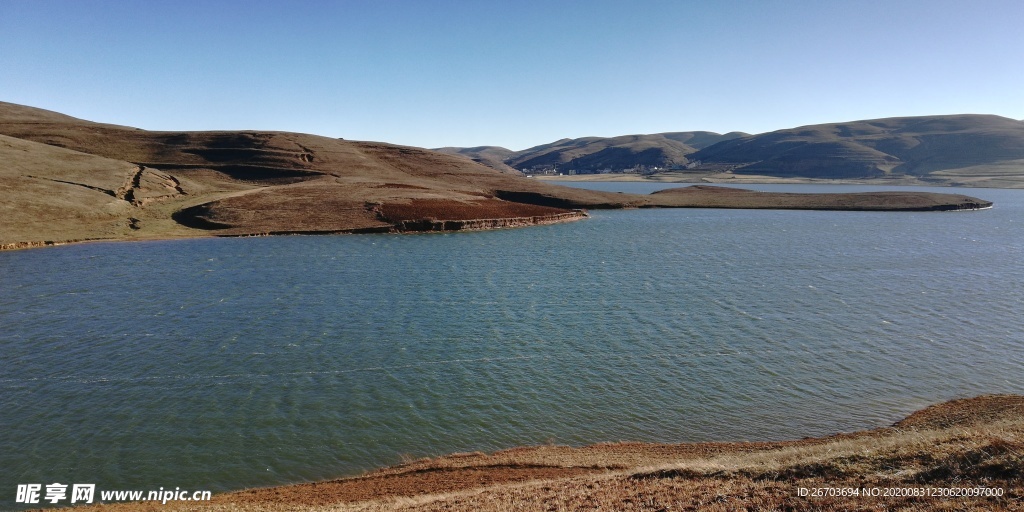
x=950, y=149
x=593, y=154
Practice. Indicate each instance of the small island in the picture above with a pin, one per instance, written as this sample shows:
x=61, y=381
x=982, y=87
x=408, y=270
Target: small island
x=704, y=196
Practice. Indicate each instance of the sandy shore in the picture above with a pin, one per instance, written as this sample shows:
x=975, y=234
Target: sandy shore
x=954, y=447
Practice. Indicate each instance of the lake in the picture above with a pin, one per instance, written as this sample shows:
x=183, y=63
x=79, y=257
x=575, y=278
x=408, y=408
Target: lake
x=220, y=364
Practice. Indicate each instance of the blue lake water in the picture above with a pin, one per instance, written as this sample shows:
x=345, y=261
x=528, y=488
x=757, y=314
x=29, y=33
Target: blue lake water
x=227, y=363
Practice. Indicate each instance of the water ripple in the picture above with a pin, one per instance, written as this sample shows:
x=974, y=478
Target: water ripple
x=220, y=364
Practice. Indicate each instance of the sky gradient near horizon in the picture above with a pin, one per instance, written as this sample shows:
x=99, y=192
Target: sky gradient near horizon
x=507, y=73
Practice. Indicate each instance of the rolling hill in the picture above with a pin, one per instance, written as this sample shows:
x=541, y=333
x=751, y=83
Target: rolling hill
x=616, y=153
x=958, y=150
x=67, y=179
x=953, y=149
x=589, y=154
x=491, y=156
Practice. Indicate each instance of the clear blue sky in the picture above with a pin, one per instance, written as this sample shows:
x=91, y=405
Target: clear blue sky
x=515, y=74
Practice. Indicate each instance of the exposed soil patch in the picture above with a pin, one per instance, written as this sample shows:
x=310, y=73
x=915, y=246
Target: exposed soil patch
x=441, y=209
x=560, y=201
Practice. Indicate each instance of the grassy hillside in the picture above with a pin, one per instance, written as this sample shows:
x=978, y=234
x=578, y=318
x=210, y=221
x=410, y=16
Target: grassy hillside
x=67, y=179
x=701, y=140
x=491, y=156
x=948, y=149
x=617, y=153
x=958, y=150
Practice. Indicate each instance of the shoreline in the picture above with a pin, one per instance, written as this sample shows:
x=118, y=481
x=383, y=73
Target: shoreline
x=401, y=227
x=963, y=443
x=529, y=210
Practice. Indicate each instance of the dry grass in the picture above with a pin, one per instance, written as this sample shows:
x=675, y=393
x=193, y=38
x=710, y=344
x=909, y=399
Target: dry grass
x=964, y=443
x=70, y=180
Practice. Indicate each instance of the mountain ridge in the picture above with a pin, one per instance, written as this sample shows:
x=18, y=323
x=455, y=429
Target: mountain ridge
x=617, y=153
x=914, y=146
x=955, y=149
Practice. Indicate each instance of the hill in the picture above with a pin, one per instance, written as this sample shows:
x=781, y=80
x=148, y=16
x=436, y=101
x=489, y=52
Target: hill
x=491, y=156
x=66, y=179
x=590, y=154
x=954, y=149
x=616, y=153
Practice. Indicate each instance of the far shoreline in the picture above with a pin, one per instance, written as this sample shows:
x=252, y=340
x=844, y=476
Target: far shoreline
x=404, y=228
x=438, y=216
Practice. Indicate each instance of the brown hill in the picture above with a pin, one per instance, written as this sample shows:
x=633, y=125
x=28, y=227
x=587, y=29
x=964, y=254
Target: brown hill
x=491, y=156
x=954, y=149
x=616, y=153
x=700, y=139
x=51, y=193
x=131, y=183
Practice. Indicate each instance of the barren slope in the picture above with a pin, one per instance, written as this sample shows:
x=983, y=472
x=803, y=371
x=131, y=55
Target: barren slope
x=234, y=183
x=55, y=194
x=967, y=149
x=617, y=153
x=491, y=156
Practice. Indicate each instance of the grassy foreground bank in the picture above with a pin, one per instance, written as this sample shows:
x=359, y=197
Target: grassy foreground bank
x=953, y=447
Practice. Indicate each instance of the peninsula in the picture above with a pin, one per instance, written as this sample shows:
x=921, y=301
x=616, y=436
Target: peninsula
x=67, y=180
